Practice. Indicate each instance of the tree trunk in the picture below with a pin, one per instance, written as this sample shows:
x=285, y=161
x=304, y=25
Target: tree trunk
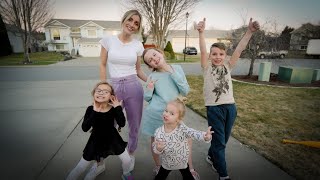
x=251, y=66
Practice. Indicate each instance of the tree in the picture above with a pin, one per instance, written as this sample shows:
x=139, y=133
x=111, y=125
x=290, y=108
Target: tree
x=161, y=14
x=285, y=37
x=5, y=47
x=28, y=16
x=169, y=49
x=144, y=36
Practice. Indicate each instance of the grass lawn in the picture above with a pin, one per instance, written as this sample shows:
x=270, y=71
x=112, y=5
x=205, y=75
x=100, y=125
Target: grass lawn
x=266, y=115
x=37, y=58
x=180, y=58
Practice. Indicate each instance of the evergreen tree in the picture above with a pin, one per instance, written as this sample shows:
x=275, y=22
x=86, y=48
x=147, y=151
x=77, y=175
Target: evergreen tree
x=169, y=49
x=5, y=46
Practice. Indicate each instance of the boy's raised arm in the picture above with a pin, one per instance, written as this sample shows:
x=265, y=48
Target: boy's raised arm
x=202, y=44
x=252, y=27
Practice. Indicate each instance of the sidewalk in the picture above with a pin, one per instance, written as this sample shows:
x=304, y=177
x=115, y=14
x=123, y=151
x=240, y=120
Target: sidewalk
x=41, y=137
x=243, y=163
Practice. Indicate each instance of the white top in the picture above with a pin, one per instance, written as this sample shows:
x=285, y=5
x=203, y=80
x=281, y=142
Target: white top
x=217, y=87
x=176, y=152
x=122, y=57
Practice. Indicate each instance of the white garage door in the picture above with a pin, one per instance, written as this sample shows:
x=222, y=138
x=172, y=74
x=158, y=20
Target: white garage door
x=89, y=50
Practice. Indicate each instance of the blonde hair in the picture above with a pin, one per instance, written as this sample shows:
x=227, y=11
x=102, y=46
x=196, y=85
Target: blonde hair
x=100, y=83
x=128, y=15
x=179, y=102
x=144, y=53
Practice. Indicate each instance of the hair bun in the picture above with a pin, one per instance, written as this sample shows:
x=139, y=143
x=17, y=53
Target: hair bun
x=182, y=99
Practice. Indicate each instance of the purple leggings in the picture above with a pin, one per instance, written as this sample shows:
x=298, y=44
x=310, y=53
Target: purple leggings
x=129, y=90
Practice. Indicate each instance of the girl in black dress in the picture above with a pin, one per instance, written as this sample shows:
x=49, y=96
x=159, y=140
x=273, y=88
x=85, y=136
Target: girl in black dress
x=105, y=139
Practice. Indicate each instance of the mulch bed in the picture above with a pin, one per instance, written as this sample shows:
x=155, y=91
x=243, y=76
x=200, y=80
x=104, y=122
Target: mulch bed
x=274, y=81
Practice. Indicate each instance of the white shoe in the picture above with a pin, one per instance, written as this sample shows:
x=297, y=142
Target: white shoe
x=95, y=171
x=131, y=167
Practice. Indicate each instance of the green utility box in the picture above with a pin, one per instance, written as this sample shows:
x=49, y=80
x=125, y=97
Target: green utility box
x=264, y=71
x=295, y=74
x=316, y=75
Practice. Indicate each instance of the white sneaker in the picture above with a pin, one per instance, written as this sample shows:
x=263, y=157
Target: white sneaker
x=94, y=171
x=209, y=160
x=133, y=159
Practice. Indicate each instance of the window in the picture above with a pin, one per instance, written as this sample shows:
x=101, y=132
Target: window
x=59, y=47
x=56, y=34
x=304, y=47
x=92, y=32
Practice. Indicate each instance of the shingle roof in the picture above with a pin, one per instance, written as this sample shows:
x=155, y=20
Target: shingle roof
x=74, y=23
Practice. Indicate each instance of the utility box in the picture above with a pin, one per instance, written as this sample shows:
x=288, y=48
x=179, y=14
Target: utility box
x=295, y=74
x=264, y=71
x=316, y=75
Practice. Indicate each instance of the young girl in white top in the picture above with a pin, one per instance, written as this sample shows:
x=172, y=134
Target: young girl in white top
x=171, y=141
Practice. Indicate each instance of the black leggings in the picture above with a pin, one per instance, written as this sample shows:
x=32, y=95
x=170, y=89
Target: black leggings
x=163, y=174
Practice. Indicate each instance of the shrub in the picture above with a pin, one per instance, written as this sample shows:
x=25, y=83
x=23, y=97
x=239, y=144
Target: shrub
x=169, y=49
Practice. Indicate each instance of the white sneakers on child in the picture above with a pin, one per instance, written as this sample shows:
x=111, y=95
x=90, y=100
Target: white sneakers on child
x=94, y=171
x=133, y=159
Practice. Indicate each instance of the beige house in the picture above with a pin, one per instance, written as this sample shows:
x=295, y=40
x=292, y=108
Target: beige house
x=78, y=36
x=178, y=38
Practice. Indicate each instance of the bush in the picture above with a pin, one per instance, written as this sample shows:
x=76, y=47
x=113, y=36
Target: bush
x=167, y=55
x=169, y=49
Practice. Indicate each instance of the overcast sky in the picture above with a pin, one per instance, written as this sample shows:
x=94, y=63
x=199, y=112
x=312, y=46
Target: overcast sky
x=220, y=14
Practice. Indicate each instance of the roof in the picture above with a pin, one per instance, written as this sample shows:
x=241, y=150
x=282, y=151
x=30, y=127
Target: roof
x=77, y=23
x=307, y=26
x=195, y=33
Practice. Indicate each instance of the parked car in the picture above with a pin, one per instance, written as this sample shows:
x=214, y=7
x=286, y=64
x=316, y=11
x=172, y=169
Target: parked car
x=272, y=54
x=190, y=50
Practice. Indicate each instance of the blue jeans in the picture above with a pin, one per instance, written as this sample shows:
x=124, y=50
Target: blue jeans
x=221, y=118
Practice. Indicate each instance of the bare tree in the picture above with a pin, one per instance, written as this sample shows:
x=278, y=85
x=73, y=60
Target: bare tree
x=160, y=14
x=28, y=16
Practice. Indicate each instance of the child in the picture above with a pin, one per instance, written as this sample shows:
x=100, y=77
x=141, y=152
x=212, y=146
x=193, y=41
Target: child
x=172, y=141
x=218, y=94
x=165, y=83
x=104, y=140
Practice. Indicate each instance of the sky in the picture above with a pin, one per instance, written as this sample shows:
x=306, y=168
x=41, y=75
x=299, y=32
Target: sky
x=219, y=14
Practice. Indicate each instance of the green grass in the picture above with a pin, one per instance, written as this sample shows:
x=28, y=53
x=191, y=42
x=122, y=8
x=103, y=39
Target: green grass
x=38, y=58
x=180, y=58
x=266, y=115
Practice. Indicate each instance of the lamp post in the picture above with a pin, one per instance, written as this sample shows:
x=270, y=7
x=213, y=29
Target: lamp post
x=185, y=37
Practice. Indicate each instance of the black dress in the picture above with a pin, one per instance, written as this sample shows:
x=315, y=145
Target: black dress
x=105, y=139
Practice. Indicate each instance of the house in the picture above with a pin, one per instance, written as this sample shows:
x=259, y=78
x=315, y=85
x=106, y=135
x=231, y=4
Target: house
x=79, y=36
x=179, y=39
x=15, y=38
x=300, y=37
